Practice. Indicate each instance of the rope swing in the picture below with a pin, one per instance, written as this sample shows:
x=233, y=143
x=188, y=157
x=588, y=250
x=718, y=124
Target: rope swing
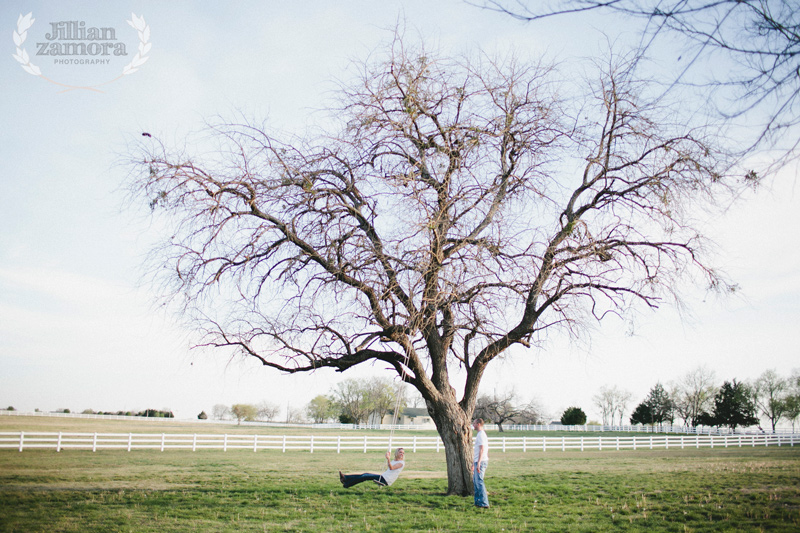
x=395, y=414
x=397, y=402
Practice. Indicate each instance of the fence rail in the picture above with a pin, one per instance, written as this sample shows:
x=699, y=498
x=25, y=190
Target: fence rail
x=23, y=440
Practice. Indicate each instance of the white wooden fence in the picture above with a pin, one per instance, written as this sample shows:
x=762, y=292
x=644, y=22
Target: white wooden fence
x=586, y=428
x=22, y=440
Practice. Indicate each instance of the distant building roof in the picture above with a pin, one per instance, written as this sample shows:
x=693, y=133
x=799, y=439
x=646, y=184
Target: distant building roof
x=412, y=412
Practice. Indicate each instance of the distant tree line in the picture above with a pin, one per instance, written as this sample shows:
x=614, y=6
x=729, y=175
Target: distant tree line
x=698, y=402
x=262, y=412
x=359, y=401
x=153, y=413
x=150, y=413
x=693, y=399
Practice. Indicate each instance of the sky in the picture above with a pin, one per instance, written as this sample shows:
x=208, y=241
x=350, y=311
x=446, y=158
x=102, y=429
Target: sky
x=79, y=329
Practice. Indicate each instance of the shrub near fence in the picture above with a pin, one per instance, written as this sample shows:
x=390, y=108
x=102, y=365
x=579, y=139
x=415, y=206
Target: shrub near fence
x=315, y=443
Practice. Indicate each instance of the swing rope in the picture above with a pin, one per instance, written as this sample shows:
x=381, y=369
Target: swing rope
x=395, y=415
x=398, y=396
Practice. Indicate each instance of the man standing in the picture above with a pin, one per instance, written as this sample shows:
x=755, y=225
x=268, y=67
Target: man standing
x=479, y=464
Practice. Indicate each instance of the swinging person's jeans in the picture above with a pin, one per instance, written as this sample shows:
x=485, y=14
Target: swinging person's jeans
x=478, y=471
x=355, y=479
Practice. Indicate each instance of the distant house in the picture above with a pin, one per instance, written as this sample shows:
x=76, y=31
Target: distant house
x=410, y=416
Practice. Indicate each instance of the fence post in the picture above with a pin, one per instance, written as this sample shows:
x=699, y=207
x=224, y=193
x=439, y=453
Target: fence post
x=581, y=443
x=284, y=444
x=438, y=442
x=339, y=444
x=94, y=443
x=617, y=443
x=130, y=440
x=21, y=439
x=194, y=442
x=58, y=446
x=312, y=444
x=365, y=444
x=255, y=443
x=163, y=438
x=225, y=443
x=504, y=445
x=563, y=444
x=414, y=448
x=524, y=447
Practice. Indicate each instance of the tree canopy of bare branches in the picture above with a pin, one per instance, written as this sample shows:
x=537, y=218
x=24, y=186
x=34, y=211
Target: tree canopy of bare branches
x=758, y=39
x=462, y=206
x=498, y=408
x=771, y=391
x=612, y=401
x=693, y=395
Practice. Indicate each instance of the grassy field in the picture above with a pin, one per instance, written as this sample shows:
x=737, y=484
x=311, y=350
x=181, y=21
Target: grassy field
x=748, y=489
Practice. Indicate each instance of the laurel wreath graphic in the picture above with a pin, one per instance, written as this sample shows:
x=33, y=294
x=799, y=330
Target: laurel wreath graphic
x=23, y=25
x=137, y=23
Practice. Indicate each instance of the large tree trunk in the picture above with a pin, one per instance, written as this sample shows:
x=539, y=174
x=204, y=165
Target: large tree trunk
x=456, y=433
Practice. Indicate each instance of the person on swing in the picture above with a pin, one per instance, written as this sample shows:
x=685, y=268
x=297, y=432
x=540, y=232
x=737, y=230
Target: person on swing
x=387, y=478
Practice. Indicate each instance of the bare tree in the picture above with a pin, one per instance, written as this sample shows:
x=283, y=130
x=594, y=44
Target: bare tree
x=462, y=208
x=771, y=391
x=531, y=413
x=759, y=41
x=221, y=412
x=623, y=397
x=498, y=408
x=414, y=398
x=793, y=398
x=604, y=400
x=693, y=395
x=611, y=401
x=267, y=411
x=383, y=396
x=294, y=415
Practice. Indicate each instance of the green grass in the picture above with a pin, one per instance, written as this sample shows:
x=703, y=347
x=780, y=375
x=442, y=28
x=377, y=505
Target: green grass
x=754, y=489
x=734, y=489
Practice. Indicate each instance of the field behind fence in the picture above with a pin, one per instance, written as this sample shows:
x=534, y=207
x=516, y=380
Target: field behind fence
x=585, y=428
x=58, y=441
